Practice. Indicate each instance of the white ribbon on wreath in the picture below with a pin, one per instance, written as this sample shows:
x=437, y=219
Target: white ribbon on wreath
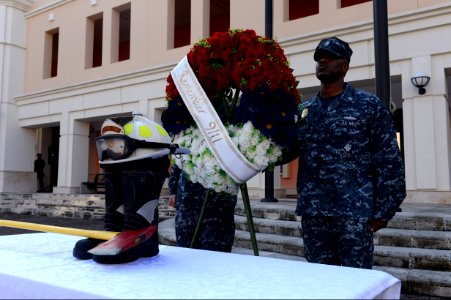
x=228, y=156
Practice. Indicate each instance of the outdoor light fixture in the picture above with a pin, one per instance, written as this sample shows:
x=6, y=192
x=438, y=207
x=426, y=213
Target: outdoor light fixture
x=420, y=80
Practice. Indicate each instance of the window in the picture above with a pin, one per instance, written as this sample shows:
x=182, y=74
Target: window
x=346, y=3
x=219, y=15
x=302, y=8
x=182, y=23
x=120, y=40
x=94, y=39
x=51, y=53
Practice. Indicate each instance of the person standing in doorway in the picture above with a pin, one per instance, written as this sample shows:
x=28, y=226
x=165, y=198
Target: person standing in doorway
x=39, y=165
x=351, y=178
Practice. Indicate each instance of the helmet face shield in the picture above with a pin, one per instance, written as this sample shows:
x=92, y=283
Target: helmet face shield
x=114, y=147
x=138, y=139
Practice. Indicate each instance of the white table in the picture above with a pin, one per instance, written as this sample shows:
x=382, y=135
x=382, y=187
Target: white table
x=40, y=265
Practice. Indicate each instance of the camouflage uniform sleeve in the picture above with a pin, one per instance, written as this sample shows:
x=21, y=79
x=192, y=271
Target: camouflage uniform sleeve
x=292, y=152
x=174, y=180
x=388, y=166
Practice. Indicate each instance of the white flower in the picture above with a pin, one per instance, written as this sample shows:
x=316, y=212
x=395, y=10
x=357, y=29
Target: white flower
x=201, y=165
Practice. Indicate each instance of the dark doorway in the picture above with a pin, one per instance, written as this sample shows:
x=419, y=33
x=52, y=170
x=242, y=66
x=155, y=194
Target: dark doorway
x=53, y=153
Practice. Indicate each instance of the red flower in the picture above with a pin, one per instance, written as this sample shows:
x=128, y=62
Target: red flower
x=238, y=60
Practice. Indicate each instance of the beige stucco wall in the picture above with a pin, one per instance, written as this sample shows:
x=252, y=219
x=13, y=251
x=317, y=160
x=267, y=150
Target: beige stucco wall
x=150, y=31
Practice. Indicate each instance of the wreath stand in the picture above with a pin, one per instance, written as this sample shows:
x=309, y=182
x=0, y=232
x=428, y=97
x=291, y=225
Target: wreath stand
x=247, y=207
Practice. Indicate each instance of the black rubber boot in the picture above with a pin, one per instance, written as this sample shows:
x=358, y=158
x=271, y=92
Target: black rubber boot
x=141, y=190
x=114, y=210
x=113, y=219
x=81, y=248
x=146, y=249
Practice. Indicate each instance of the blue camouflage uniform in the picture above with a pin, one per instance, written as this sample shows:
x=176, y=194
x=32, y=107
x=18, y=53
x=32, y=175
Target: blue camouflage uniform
x=218, y=228
x=350, y=172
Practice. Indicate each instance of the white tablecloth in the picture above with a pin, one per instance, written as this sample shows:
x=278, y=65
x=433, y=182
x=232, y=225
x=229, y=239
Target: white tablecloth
x=40, y=265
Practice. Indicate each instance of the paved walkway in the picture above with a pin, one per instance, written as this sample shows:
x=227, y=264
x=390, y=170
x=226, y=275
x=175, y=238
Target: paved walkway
x=55, y=221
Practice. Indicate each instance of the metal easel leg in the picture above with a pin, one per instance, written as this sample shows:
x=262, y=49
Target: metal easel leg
x=200, y=221
x=250, y=221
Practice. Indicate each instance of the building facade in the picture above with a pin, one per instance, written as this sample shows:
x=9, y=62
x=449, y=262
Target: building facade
x=67, y=65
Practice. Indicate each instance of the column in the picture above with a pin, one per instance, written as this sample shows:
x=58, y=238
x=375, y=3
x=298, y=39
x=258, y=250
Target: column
x=427, y=129
x=17, y=148
x=73, y=154
x=200, y=19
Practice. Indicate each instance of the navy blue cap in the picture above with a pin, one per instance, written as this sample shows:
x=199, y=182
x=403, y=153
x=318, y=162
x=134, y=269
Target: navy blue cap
x=333, y=46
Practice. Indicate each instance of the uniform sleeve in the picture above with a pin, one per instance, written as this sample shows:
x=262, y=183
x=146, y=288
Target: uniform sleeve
x=387, y=165
x=292, y=152
x=174, y=179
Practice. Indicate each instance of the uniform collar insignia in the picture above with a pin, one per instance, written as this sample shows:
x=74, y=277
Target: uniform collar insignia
x=304, y=113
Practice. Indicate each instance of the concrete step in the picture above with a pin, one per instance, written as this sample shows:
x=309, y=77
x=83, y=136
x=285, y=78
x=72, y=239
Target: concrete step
x=270, y=242
x=273, y=211
x=165, y=212
x=387, y=236
x=166, y=232
x=402, y=257
x=272, y=226
x=429, y=220
x=413, y=258
x=440, y=240
x=247, y=251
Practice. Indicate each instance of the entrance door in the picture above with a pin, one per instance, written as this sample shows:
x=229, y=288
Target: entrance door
x=53, y=153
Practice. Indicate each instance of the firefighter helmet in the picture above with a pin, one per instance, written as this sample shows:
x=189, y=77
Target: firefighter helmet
x=140, y=138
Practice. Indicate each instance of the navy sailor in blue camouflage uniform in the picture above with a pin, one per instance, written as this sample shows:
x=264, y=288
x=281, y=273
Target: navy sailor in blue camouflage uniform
x=217, y=232
x=351, y=178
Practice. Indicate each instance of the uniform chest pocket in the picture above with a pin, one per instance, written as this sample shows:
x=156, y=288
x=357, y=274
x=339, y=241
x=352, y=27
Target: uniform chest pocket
x=349, y=131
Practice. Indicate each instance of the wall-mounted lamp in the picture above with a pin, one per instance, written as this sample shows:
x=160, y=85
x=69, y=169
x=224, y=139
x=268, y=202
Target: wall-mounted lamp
x=420, y=80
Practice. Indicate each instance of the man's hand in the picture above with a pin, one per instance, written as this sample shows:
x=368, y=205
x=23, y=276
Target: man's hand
x=171, y=201
x=378, y=224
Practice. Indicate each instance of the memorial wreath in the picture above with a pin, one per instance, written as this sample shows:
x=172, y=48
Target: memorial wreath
x=252, y=97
